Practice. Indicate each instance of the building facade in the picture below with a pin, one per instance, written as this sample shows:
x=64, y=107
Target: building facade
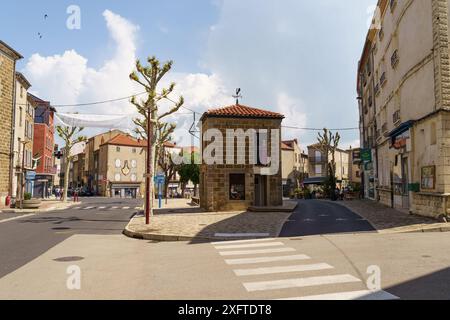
x=404, y=103
x=23, y=136
x=92, y=164
x=77, y=171
x=295, y=166
x=240, y=183
x=43, y=146
x=122, y=167
x=8, y=58
x=318, y=166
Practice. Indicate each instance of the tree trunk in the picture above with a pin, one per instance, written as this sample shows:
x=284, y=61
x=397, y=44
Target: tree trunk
x=66, y=179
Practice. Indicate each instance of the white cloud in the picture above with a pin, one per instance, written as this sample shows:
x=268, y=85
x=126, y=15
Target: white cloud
x=67, y=79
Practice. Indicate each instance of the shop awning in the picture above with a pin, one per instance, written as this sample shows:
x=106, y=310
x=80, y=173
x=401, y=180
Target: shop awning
x=401, y=129
x=315, y=180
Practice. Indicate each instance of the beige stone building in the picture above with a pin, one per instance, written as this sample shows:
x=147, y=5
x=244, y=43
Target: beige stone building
x=8, y=58
x=23, y=136
x=295, y=166
x=92, y=154
x=404, y=103
x=244, y=183
x=318, y=164
x=122, y=167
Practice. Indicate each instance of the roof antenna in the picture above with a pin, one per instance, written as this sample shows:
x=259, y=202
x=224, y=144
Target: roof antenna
x=192, y=129
x=238, y=95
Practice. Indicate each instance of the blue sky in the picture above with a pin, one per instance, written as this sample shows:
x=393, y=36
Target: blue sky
x=291, y=56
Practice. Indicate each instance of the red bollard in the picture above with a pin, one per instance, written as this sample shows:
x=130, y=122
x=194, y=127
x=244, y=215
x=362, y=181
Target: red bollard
x=8, y=201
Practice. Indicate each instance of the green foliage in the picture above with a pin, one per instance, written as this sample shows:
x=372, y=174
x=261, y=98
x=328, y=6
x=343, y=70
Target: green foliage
x=27, y=196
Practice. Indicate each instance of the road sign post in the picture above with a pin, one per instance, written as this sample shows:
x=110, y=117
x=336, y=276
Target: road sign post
x=160, y=180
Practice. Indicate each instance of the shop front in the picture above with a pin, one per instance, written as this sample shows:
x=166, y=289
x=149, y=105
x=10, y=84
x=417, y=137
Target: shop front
x=401, y=174
x=369, y=173
x=125, y=191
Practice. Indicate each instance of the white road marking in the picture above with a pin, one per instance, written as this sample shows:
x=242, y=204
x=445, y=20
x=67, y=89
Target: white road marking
x=137, y=208
x=341, y=219
x=102, y=207
x=309, y=220
x=126, y=208
x=267, y=259
x=114, y=207
x=242, y=241
x=16, y=218
x=253, y=245
x=250, y=252
x=353, y=295
x=299, y=282
x=241, y=235
x=283, y=269
x=88, y=208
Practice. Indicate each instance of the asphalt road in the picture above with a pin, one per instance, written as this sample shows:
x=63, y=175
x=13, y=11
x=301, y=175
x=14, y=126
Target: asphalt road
x=411, y=266
x=313, y=217
x=25, y=239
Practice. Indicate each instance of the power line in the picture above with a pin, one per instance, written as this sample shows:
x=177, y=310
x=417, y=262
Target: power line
x=184, y=107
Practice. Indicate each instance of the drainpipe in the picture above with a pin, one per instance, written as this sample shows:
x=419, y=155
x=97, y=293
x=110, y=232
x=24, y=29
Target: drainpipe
x=13, y=132
x=375, y=127
x=360, y=104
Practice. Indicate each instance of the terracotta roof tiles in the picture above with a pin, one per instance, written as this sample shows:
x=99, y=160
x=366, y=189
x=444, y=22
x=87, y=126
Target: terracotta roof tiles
x=241, y=111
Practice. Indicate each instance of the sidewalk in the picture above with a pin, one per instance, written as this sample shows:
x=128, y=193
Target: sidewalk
x=46, y=206
x=187, y=223
x=388, y=220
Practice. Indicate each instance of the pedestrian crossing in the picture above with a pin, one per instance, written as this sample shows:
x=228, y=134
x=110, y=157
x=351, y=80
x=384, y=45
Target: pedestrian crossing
x=105, y=208
x=269, y=266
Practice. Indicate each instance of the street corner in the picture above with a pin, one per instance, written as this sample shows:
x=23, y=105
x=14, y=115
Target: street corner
x=207, y=226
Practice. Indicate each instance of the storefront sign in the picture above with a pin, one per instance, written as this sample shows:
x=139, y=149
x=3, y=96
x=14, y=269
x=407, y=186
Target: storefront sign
x=366, y=155
x=31, y=175
x=428, y=177
x=401, y=141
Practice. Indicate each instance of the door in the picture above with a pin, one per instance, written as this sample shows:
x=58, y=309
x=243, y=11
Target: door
x=260, y=191
x=405, y=176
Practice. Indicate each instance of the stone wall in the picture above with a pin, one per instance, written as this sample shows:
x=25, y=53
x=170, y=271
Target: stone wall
x=214, y=184
x=429, y=205
x=385, y=197
x=7, y=66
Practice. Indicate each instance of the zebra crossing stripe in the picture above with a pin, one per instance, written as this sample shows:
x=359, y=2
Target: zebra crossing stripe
x=299, y=282
x=126, y=208
x=267, y=259
x=252, y=245
x=242, y=241
x=89, y=208
x=352, y=295
x=250, y=252
x=283, y=269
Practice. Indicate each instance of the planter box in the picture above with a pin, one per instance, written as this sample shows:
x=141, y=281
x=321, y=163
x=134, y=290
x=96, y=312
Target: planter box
x=32, y=204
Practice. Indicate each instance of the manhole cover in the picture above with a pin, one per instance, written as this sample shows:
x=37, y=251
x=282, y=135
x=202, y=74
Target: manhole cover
x=68, y=259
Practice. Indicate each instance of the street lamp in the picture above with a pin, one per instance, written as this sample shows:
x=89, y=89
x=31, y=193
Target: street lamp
x=22, y=182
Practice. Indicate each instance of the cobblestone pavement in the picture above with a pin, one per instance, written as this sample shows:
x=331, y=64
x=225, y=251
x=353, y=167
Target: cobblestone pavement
x=386, y=219
x=236, y=225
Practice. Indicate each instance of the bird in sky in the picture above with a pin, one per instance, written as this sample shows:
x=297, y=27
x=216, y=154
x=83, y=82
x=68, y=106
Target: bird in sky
x=40, y=35
x=45, y=16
